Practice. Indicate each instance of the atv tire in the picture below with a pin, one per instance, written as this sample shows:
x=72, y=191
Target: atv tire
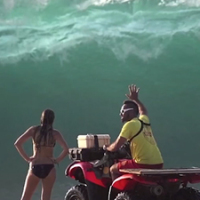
x=78, y=192
x=125, y=196
x=187, y=194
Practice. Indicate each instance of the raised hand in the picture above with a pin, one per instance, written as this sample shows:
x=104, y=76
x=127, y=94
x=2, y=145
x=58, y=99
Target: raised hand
x=133, y=92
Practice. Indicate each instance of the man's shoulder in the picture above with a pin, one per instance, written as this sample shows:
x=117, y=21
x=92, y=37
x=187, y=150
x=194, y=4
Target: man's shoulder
x=130, y=128
x=144, y=118
x=132, y=123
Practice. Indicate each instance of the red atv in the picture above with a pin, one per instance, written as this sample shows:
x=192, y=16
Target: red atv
x=91, y=169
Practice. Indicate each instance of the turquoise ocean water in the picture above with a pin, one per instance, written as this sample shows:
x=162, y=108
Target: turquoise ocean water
x=78, y=57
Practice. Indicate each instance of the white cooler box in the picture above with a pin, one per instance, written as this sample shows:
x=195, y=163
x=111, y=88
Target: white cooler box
x=93, y=140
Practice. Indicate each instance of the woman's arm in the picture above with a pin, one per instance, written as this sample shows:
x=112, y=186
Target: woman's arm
x=59, y=138
x=21, y=140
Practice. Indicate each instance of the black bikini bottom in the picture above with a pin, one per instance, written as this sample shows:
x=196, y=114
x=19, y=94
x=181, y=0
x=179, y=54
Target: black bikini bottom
x=42, y=170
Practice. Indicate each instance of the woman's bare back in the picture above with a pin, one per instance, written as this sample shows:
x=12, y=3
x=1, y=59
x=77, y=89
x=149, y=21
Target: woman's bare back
x=43, y=151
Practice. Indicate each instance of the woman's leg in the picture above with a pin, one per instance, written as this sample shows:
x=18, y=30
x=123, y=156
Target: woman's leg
x=30, y=185
x=47, y=185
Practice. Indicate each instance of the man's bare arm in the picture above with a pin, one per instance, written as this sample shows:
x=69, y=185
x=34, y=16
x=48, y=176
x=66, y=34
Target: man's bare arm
x=141, y=107
x=117, y=144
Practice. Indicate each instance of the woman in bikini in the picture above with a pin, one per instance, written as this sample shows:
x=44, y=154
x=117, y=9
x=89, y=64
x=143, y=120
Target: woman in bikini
x=41, y=164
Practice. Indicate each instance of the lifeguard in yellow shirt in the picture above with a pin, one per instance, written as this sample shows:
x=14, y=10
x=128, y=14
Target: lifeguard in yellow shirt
x=144, y=150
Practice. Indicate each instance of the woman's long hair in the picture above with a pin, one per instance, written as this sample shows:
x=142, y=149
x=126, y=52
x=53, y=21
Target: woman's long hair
x=46, y=128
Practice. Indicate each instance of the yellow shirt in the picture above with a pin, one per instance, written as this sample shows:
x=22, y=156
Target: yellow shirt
x=143, y=147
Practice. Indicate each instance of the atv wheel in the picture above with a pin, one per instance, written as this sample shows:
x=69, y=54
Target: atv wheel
x=78, y=192
x=187, y=194
x=125, y=196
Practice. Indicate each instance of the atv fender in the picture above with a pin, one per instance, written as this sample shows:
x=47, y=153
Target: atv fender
x=194, y=178
x=128, y=181
x=87, y=173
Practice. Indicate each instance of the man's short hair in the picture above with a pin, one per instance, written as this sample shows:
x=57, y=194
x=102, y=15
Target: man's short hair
x=133, y=105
